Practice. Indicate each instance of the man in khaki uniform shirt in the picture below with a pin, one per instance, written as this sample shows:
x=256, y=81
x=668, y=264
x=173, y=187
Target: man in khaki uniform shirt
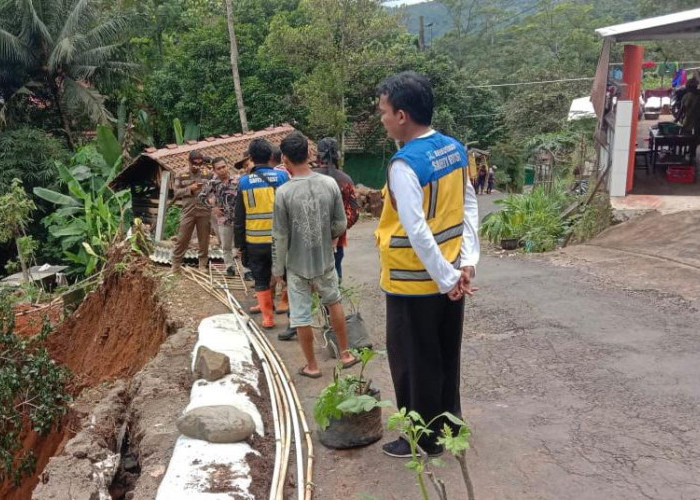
x=194, y=213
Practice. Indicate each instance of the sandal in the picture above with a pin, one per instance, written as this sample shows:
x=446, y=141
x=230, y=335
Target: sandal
x=302, y=371
x=350, y=364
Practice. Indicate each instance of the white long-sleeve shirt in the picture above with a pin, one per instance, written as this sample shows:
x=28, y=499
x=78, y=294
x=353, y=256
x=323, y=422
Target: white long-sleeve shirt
x=407, y=192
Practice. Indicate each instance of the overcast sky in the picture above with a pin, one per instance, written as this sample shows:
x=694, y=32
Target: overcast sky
x=394, y=3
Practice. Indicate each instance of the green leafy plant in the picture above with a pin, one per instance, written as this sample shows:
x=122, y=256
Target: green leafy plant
x=32, y=393
x=90, y=215
x=414, y=428
x=594, y=218
x=15, y=214
x=534, y=218
x=347, y=394
x=172, y=221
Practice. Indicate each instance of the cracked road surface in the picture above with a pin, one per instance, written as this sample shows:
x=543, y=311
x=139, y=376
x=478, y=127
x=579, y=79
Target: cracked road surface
x=575, y=385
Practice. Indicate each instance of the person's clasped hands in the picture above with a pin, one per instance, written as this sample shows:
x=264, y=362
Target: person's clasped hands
x=464, y=284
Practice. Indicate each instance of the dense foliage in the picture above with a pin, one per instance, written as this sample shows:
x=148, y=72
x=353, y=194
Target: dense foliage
x=159, y=71
x=89, y=215
x=32, y=393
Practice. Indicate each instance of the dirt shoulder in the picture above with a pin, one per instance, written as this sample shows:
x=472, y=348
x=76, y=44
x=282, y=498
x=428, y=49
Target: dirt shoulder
x=653, y=251
x=145, y=325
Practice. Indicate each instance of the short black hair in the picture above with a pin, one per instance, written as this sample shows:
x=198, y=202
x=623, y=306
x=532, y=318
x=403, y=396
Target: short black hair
x=276, y=154
x=328, y=151
x=218, y=159
x=196, y=155
x=295, y=147
x=411, y=92
x=260, y=151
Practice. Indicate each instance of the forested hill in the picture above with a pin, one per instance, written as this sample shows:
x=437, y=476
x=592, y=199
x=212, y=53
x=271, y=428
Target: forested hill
x=439, y=15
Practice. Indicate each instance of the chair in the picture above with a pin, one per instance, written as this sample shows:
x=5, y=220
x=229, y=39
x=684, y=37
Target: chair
x=641, y=159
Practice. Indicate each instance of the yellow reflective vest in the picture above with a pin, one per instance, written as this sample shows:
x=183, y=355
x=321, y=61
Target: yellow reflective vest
x=440, y=163
x=257, y=190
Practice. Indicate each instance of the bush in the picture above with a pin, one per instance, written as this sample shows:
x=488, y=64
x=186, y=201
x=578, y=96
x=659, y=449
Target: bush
x=32, y=391
x=534, y=219
x=510, y=175
x=595, y=217
x=29, y=155
x=89, y=215
x=172, y=221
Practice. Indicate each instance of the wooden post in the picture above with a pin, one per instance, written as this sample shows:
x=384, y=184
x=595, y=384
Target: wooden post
x=162, y=204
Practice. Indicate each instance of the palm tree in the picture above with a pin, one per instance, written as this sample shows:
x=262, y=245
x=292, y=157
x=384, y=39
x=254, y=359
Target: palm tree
x=234, y=67
x=56, y=50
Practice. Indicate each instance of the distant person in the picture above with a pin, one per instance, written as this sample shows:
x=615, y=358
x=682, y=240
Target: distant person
x=327, y=159
x=481, y=179
x=690, y=108
x=220, y=195
x=491, y=179
x=195, y=214
x=428, y=247
x=276, y=160
x=252, y=226
x=309, y=215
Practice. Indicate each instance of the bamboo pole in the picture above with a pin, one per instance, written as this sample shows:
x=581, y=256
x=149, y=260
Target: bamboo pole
x=287, y=403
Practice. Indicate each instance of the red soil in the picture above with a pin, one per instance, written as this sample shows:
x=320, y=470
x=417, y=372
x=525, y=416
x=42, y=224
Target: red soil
x=116, y=330
x=29, y=317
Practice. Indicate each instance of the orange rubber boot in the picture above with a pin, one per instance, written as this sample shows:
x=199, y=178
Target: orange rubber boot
x=256, y=308
x=265, y=301
x=282, y=306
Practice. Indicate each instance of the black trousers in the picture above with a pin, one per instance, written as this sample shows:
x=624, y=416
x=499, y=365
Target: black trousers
x=423, y=341
x=259, y=261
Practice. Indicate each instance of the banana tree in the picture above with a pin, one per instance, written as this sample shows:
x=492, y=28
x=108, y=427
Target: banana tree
x=90, y=216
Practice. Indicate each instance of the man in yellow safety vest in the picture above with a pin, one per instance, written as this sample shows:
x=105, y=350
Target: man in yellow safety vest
x=428, y=247
x=252, y=227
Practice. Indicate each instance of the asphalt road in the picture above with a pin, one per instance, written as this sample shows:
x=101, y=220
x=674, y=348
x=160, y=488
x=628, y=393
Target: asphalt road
x=575, y=386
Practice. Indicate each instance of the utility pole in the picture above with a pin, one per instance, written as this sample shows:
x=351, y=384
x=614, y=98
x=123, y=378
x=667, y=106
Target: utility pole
x=234, y=67
x=421, y=34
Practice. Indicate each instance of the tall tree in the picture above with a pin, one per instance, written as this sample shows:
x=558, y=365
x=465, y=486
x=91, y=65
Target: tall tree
x=234, y=66
x=59, y=49
x=333, y=43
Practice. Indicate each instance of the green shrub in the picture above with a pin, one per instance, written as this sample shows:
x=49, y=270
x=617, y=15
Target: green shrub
x=172, y=221
x=32, y=391
x=594, y=218
x=89, y=215
x=29, y=155
x=534, y=219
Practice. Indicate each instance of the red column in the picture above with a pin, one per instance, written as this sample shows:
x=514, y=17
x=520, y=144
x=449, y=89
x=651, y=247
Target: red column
x=632, y=76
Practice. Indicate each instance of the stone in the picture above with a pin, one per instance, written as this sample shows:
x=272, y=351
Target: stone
x=211, y=365
x=217, y=424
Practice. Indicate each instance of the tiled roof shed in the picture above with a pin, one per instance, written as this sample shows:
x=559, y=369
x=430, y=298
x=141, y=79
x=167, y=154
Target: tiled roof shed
x=148, y=165
x=144, y=175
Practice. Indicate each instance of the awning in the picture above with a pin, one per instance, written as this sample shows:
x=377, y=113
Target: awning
x=676, y=26
x=581, y=108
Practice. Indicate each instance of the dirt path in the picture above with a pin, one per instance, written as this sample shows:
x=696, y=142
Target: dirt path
x=575, y=388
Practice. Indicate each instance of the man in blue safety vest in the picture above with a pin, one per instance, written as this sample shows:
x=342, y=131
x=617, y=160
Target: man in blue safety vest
x=252, y=229
x=428, y=247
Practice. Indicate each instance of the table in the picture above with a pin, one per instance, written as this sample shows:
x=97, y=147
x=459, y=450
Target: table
x=679, y=149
